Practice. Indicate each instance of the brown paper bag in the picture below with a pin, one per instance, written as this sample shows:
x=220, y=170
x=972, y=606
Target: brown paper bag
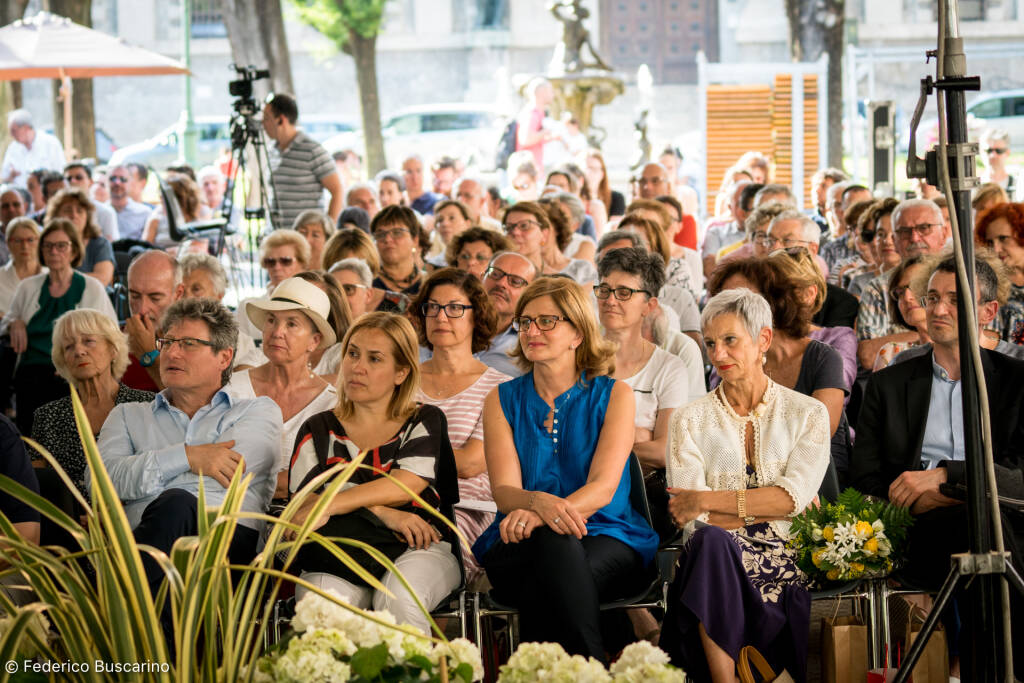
x=933, y=665
x=844, y=650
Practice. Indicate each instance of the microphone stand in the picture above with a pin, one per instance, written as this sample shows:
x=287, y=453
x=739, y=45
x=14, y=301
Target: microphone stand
x=986, y=568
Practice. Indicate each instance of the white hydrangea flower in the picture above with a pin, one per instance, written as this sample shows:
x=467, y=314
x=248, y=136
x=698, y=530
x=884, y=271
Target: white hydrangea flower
x=313, y=658
x=531, y=662
x=639, y=653
x=641, y=662
x=577, y=669
x=462, y=651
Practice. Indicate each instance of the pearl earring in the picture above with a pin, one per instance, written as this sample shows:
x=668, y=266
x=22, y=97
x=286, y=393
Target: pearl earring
x=764, y=359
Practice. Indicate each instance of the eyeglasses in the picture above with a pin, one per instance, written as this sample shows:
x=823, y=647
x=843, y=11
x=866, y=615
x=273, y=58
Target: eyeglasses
x=497, y=274
x=56, y=246
x=644, y=182
x=118, y=178
x=465, y=258
x=285, y=261
x=897, y=292
x=394, y=233
x=921, y=230
x=996, y=150
x=521, y=226
x=351, y=289
x=188, y=344
x=603, y=291
x=452, y=310
x=24, y=240
x=545, y=323
x=931, y=299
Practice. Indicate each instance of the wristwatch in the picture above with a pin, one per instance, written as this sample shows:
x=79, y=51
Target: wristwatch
x=149, y=357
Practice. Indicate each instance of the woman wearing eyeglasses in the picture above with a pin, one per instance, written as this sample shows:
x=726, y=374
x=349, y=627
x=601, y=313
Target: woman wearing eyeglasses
x=905, y=309
x=556, y=441
x=396, y=231
x=455, y=319
x=38, y=301
x=1002, y=229
x=540, y=233
x=294, y=323
x=22, y=238
x=97, y=254
x=472, y=249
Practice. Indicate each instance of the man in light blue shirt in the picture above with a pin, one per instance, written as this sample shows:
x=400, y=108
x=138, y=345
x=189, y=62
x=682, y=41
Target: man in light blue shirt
x=506, y=277
x=156, y=453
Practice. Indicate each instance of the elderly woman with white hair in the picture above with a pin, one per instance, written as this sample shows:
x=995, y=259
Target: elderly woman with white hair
x=742, y=461
x=355, y=279
x=91, y=353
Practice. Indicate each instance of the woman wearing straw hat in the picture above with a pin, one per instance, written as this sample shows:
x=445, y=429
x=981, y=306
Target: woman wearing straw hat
x=294, y=324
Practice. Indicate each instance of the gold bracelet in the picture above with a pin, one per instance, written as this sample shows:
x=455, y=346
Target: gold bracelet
x=741, y=503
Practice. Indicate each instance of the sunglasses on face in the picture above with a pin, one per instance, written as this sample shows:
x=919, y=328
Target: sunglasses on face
x=996, y=150
x=118, y=179
x=285, y=261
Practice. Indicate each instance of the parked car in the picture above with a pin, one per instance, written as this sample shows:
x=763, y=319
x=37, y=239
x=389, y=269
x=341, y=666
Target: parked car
x=1003, y=109
x=105, y=146
x=469, y=132
x=163, y=149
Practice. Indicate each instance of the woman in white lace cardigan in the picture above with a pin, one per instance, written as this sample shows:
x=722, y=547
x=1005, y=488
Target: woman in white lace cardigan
x=741, y=461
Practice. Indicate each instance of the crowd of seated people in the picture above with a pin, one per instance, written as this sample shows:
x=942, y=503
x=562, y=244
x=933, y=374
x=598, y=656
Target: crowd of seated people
x=503, y=353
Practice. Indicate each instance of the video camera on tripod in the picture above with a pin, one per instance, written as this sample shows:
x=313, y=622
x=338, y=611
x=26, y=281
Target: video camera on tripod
x=244, y=108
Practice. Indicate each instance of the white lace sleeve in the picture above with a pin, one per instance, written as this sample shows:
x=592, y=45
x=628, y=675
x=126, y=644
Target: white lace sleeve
x=808, y=459
x=685, y=464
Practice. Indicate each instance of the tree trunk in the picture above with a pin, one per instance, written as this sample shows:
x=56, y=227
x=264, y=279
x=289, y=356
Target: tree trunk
x=815, y=28
x=10, y=91
x=256, y=33
x=364, y=52
x=83, y=124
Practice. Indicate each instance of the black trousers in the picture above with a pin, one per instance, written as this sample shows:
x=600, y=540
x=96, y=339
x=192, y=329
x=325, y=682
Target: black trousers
x=172, y=515
x=935, y=536
x=558, y=582
x=35, y=385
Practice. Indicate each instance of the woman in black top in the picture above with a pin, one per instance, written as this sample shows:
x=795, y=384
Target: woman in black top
x=377, y=414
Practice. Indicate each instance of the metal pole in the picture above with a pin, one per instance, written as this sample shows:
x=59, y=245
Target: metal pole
x=982, y=615
x=187, y=150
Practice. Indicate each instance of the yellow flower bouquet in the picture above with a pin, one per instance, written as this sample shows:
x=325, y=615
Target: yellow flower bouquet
x=852, y=538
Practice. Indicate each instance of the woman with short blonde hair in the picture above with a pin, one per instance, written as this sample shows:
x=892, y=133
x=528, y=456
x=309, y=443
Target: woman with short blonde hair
x=556, y=441
x=90, y=352
x=349, y=243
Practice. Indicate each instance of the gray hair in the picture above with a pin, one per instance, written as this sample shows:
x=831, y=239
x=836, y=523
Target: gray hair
x=809, y=230
x=994, y=134
x=773, y=189
x=532, y=265
x=763, y=215
x=913, y=204
x=357, y=266
x=361, y=186
x=219, y=320
x=20, y=117
x=835, y=192
x=161, y=254
x=209, y=172
x=646, y=265
x=613, y=236
x=834, y=174
x=192, y=262
x=314, y=216
x=752, y=309
x=573, y=203
x=482, y=188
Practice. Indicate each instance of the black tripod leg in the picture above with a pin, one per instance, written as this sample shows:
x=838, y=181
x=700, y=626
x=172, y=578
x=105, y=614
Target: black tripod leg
x=914, y=653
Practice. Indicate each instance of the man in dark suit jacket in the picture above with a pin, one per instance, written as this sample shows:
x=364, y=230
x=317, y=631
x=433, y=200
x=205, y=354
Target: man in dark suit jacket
x=910, y=438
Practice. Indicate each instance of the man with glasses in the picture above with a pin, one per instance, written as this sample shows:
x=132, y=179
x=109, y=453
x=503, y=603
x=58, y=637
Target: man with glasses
x=995, y=152
x=918, y=230
x=300, y=168
x=154, y=283
x=131, y=215
x=77, y=174
x=504, y=281
x=157, y=453
x=653, y=181
x=910, y=437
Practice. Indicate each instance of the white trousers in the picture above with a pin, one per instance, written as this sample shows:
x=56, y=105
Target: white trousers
x=433, y=574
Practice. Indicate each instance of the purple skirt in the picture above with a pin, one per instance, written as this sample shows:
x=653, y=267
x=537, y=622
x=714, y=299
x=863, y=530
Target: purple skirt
x=744, y=593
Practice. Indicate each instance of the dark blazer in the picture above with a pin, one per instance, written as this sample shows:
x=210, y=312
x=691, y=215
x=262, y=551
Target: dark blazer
x=839, y=309
x=890, y=429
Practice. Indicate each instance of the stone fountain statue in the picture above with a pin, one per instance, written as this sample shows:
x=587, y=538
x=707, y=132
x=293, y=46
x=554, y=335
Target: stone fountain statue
x=581, y=79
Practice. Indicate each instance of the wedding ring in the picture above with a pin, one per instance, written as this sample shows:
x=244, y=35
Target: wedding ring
x=521, y=524
x=556, y=520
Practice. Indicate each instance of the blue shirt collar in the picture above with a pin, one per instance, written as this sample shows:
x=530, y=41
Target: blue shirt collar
x=939, y=372
x=163, y=401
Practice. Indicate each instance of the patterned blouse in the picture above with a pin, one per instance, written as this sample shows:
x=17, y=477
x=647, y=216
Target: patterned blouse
x=54, y=428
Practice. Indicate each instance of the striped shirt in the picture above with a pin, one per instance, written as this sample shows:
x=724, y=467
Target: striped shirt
x=297, y=174
x=465, y=413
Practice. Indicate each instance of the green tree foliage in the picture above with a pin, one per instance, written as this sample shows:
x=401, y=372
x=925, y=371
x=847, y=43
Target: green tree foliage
x=353, y=25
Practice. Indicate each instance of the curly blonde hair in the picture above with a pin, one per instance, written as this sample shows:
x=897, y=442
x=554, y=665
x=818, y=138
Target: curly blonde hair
x=596, y=355
x=87, y=321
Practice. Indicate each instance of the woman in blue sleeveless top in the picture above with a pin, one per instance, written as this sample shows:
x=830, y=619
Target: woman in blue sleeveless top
x=556, y=441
